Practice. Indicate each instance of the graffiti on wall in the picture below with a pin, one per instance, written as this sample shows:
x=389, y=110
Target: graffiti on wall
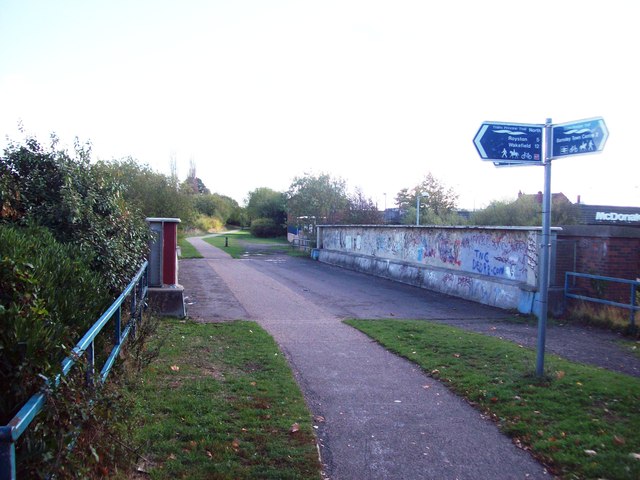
x=483, y=263
x=504, y=253
x=532, y=255
x=494, y=253
x=448, y=249
x=443, y=248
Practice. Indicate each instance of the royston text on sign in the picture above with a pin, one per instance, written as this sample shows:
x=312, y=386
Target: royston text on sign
x=509, y=143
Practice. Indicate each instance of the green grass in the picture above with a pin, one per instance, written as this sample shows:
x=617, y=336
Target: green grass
x=220, y=403
x=581, y=421
x=632, y=346
x=277, y=241
x=294, y=252
x=186, y=249
x=233, y=247
x=236, y=242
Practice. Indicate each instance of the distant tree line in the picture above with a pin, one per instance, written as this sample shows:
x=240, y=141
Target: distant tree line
x=154, y=194
x=524, y=211
x=322, y=199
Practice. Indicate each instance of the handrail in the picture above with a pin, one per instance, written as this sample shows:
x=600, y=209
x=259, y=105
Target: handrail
x=632, y=306
x=11, y=432
x=303, y=243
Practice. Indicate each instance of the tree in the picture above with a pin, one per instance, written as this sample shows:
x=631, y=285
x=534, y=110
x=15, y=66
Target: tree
x=526, y=211
x=216, y=205
x=193, y=184
x=362, y=210
x=154, y=194
x=439, y=203
x=321, y=198
x=173, y=168
x=264, y=202
x=563, y=212
x=238, y=216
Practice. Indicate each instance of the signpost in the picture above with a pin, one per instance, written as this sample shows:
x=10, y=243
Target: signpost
x=517, y=144
x=509, y=143
x=578, y=138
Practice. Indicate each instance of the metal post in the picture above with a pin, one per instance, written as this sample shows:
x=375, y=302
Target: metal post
x=632, y=313
x=91, y=359
x=117, y=336
x=134, y=300
x=7, y=454
x=543, y=287
x=420, y=195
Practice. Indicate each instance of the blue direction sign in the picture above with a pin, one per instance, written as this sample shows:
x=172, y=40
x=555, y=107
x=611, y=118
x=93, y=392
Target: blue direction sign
x=578, y=138
x=510, y=143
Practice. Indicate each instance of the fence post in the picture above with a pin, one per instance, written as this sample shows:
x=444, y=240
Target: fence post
x=7, y=454
x=632, y=312
x=117, y=337
x=91, y=370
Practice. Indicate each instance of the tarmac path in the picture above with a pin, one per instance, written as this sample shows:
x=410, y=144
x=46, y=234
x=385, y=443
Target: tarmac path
x=377, y=416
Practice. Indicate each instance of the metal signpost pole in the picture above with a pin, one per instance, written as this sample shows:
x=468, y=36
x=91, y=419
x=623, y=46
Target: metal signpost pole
x=518, y=144
x=543, y=288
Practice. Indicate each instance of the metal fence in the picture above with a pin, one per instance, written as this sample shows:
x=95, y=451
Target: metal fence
x=571, y=288
x=136, y=291
x=304, y=244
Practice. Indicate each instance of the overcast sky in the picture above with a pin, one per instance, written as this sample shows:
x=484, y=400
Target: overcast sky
x=377, y=93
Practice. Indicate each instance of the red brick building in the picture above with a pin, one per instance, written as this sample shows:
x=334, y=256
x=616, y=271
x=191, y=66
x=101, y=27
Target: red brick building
x=606, y=243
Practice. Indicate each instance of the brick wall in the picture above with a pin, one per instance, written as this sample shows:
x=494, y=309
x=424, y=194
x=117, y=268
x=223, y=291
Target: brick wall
x=606, y=251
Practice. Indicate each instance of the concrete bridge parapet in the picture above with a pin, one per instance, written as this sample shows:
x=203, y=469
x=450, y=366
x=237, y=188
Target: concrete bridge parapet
x=495, y=266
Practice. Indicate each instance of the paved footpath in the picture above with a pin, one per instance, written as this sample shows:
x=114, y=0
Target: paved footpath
x=377, y=415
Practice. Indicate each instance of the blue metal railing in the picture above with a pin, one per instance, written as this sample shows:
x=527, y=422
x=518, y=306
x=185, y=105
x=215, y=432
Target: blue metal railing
x=10, y=433
x=634, y=286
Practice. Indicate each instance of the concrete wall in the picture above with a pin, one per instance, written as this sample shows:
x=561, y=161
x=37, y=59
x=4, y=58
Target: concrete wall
x=494, y=266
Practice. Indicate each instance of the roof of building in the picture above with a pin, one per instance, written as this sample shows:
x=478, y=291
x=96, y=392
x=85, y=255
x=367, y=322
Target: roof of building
x=555, y=197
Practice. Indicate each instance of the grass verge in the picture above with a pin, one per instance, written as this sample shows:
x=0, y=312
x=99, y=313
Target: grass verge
x=632, y=346
x=186, y=249
x=601, y=316
x=234, y=242
x=220, y=402
x=230, y=243
x=580, y=421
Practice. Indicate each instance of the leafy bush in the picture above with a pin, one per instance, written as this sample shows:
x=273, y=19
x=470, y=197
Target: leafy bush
x=265, y=228
x=82, y=432
x=238, y=217
x=204, y=223
x=267, y=203
x=77, y=203
x=69, y=243
x=48, y=297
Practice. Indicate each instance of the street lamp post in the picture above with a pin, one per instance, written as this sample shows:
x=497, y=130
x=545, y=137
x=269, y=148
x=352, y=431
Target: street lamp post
x=420, y=195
